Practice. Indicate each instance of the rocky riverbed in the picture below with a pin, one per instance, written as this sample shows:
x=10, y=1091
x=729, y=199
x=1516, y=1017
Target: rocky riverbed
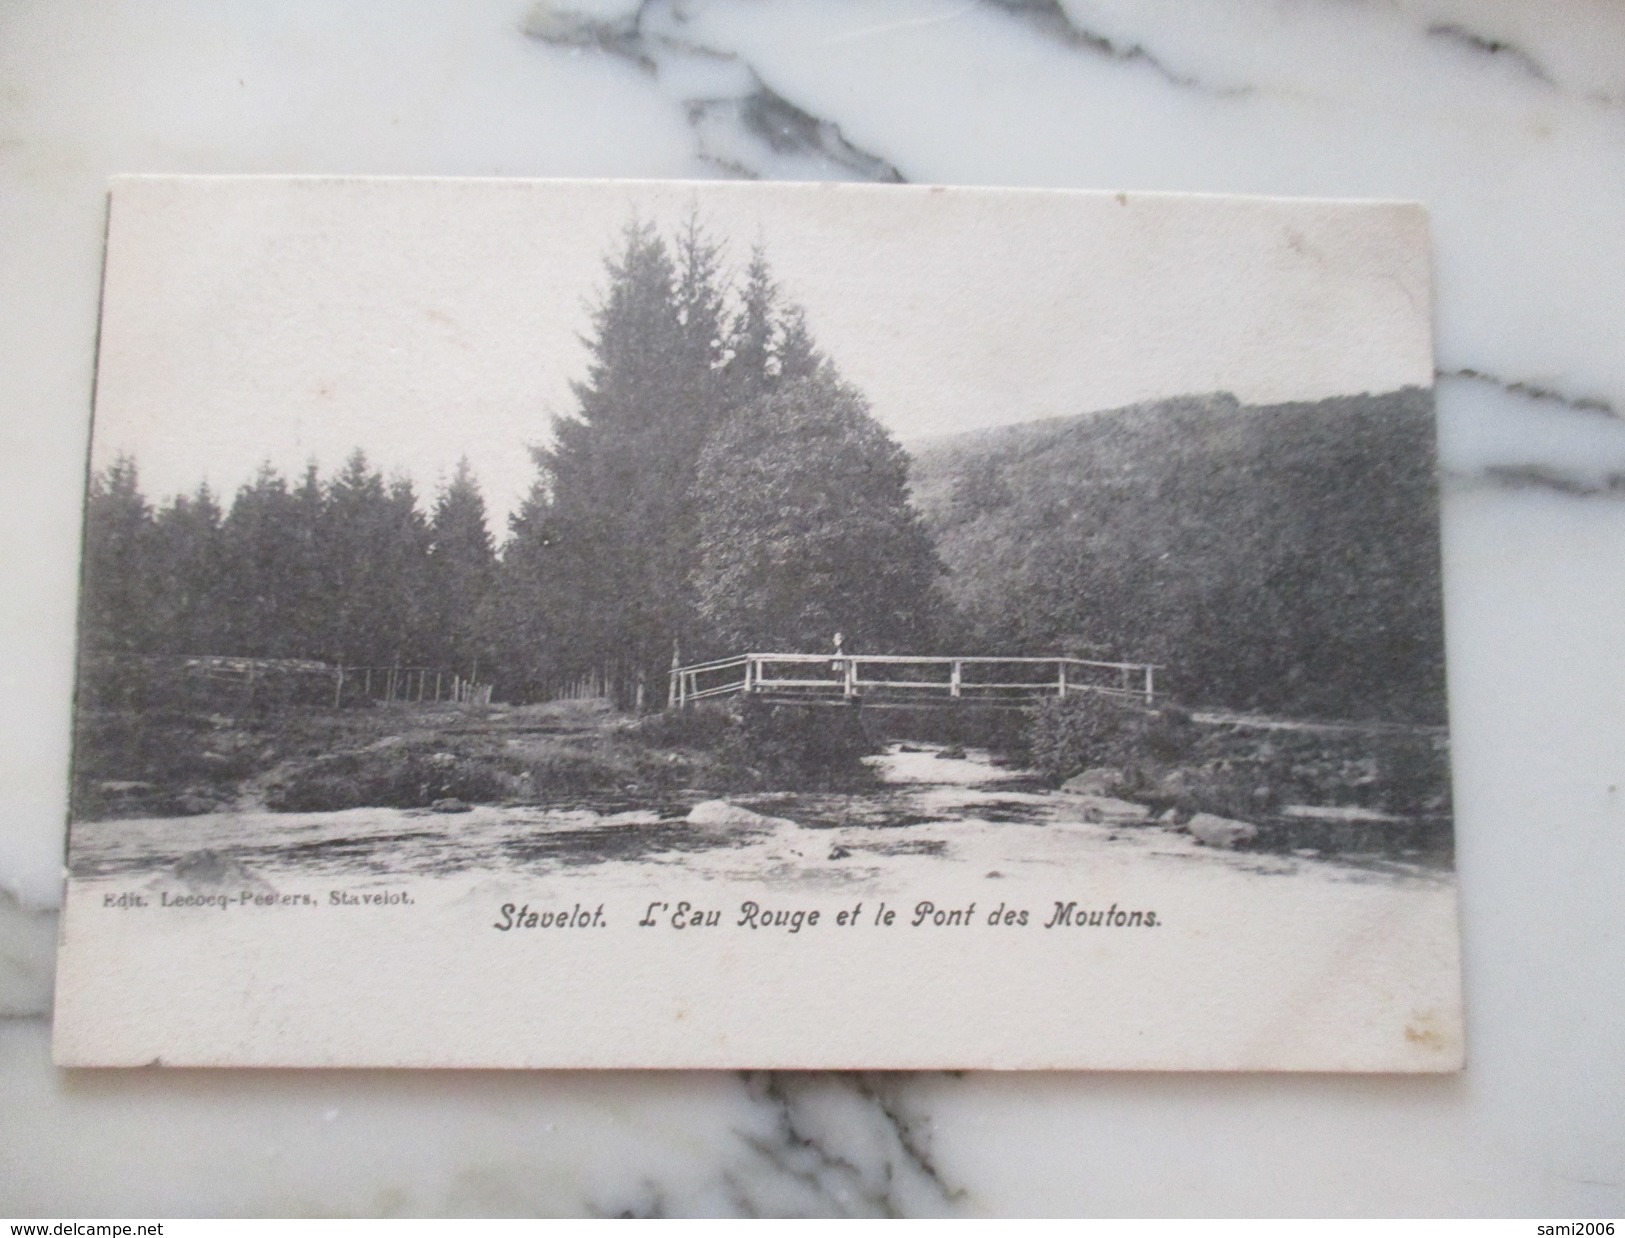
x=929, y=810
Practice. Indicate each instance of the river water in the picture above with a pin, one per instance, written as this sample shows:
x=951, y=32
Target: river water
x=931, y=812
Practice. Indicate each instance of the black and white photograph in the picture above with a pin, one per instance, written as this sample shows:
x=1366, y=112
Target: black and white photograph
x=664, y=624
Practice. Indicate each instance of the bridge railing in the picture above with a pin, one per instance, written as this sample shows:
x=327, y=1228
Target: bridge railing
x=903, y=677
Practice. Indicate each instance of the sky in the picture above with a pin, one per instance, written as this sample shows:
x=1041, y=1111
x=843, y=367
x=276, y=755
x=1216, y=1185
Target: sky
x=256, y=319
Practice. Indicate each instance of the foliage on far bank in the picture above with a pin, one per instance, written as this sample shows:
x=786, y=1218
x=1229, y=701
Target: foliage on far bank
x=346, y=569
x=1281, y=558
x=805, y=527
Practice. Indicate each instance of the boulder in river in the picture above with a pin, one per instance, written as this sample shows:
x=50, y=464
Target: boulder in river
x=1213, y=831
x=1101, y=781
x=1104, y=810
x=450, y=804
x=1329, y=812
x=721, y=815
x=194, y=803
x=1176, y=784
x=210, y=871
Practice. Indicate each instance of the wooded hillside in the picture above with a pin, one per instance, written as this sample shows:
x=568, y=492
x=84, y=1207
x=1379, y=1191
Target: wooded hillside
x=1282, y=557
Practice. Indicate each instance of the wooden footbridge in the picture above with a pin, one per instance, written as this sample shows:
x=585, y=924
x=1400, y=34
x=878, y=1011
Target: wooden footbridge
x=900, y=680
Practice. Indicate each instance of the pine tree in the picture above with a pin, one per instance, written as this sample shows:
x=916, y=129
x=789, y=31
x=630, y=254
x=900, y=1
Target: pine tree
x=116, y=607
x=520, y=620
x=769, y=343
x=752, y=365
x=461, y=571
x=307, y=597
x=612, y=526
x=798, y=356
x=698, y=294
x=264, y=564
x=188, y=574
x=406, y=603
x=373, y=537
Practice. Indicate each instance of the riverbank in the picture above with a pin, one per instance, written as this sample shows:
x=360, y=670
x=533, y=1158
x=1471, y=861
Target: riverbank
x=927, y=812
x=1240, y=783
x=312, y=759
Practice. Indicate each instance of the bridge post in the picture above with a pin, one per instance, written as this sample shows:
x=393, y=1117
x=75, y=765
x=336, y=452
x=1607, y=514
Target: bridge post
x=1150, y=671
x=956, y=677
x=851, y=685
x=1060, y=683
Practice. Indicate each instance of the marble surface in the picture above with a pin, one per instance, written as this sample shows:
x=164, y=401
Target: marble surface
x=1507, y=117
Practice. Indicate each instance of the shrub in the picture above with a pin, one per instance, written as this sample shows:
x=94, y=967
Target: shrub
x=394, y=777
x=704, y=727
x=570, y=771
x=1070, y=734
x=797, y=746
x=180, y=685
x=757, y=746
x=1169, y=733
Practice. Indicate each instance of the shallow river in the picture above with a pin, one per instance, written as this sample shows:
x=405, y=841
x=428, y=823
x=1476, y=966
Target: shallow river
x=932, y=810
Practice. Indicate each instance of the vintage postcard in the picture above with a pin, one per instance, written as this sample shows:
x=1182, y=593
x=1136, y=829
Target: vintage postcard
x=636, y=624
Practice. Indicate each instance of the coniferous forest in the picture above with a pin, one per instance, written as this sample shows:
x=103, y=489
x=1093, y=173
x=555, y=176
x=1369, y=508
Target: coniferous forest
x=720, y=486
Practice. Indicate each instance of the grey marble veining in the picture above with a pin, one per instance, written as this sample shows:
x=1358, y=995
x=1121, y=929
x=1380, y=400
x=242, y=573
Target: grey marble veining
x=1507, y=119
x=743, y=126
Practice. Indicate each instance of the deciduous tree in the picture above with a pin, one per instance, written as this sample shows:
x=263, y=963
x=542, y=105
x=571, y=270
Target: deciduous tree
x=806, y=528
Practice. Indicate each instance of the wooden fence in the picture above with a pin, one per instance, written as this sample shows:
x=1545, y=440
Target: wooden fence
x=415, y=684
x=301, y=680
x=901, y=679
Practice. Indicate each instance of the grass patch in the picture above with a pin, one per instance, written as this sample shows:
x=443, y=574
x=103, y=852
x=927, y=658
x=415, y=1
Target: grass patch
x=297, y=758
x=293, y=758
x=395, y=776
